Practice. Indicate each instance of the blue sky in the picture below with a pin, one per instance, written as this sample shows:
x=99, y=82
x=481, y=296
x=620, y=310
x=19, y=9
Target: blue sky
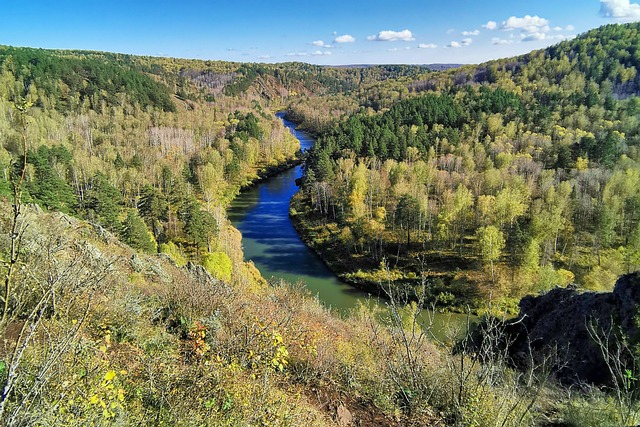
x=327, y=32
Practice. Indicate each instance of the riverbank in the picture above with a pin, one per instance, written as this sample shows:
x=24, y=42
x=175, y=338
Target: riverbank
x=270, y=241
x=446, y=289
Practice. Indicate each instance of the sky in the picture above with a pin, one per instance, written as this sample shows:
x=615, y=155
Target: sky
x=329, y=32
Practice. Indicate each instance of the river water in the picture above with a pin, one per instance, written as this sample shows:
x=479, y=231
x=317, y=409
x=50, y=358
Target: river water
x=268, y=239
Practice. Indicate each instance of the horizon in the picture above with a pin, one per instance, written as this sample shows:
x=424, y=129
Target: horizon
x=334, y=34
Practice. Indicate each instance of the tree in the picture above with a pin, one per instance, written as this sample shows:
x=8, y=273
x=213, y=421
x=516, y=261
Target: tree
x=103, y=202
x=490, y=243
x=136, y=234
x=154, y=208
x=199, y=225
x=406, y=213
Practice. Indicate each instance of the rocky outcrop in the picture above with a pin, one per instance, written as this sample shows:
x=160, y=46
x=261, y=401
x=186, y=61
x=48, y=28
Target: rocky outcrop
x=564, y=321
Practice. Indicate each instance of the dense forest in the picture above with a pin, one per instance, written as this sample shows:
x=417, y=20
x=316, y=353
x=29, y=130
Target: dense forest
x=502, y=179
x=125, y=297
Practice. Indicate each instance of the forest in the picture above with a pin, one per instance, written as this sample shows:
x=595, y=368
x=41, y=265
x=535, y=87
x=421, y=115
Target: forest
x=511, y=178
x=126, y=299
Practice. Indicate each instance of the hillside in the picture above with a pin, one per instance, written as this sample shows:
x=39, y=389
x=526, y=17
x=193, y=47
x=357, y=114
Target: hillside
x=502, y=179
x=125, y=296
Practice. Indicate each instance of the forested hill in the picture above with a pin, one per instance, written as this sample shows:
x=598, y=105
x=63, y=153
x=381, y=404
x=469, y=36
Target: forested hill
x=125, y=297
x=68, y=78
x=507, y=178
x=71, y=78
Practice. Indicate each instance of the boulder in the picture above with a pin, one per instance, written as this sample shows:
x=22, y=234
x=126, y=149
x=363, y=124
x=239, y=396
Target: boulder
x=563, y=321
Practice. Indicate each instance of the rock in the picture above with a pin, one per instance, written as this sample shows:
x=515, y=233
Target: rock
x=136, y=263
x=563, y=321
x=199, y=273
x=343, y=416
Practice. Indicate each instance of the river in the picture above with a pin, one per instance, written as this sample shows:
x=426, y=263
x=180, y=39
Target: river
x=268, y=239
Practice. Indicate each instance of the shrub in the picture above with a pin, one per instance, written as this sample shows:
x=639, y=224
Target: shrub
x=218, y=264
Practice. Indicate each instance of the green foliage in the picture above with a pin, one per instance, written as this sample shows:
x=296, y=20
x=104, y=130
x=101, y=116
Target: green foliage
x=102, y=202
x=136, y=234
x=218, y=264
x=490, y=243
x=174, y=253
x=542, y=149
x=199, y=225
x=76, y=77
x=46, y=185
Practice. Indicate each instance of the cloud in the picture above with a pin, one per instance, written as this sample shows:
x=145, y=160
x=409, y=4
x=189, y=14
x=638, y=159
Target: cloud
x=321, y=53
x=533, y=37
x=462, y=43
x=390, y=36
x=471, y=33
x=427, y=46
x=530, y=24
x=399, y=49
x=320, y=43
x=297, y=54
x=491, y=25
x=569, y=27
x=265, y=57
x=498, y=41
x=621, y=10
x=544, y=36
x=346, y=38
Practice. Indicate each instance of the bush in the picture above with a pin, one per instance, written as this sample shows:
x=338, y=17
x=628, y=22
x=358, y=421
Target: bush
x=218, y=264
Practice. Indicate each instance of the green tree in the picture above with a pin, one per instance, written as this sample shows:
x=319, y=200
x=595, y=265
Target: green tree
x=46, y=185
x=490, y=243
x=103, y=202
x=135, y=233
x=407, y=213
x=199, y=225
x=154, y=208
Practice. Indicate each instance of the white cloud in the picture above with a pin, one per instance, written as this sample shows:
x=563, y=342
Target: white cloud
x=491, y=25
x=427, y=46
x=557, y=28
x=466, y=42
x=346, y=38
x=297, y=54
x=321, y=53
x=471, y=33
x=530, y=24
x=399, y=49
x=569, y=27
x=320, y=43
x=390, y=36
x=454, y=44
x=498, y=41
x=265, y=57
x=533, y=37
x=621, y=10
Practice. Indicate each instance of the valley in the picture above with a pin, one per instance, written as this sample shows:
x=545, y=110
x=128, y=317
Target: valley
x=161, y=265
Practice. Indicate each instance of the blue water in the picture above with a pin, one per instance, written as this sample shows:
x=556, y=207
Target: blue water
x=270, y=241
